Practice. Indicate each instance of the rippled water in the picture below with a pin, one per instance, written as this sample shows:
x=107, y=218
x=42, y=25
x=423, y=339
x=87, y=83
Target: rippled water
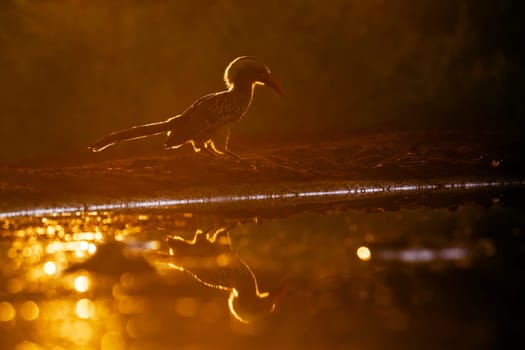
x=326, y=276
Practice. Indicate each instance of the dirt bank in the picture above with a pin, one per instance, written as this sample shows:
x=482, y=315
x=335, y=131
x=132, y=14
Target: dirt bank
x=372, y=157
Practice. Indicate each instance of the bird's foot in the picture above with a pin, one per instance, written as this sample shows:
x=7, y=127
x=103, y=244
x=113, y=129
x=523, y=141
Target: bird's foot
x=234, y=156
x=251, y=163
x=212, y=150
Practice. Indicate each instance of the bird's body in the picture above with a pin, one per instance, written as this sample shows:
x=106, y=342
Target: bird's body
x=209, y=119
x=207, y=123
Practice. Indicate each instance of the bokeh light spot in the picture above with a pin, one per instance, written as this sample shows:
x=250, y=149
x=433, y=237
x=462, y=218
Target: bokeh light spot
x=364, y=253
x=85, y=308
x=29, y=310
x=7, y=311
x=82, y=284
x=50, y=268
x=223, y=260
x=92, y=248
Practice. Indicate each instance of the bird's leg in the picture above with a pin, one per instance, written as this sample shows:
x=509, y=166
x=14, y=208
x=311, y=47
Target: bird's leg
x=195, y=148
x=213, y=150
x=209, y=146
x=233, y=155
x=222, y=137
x=208, y=149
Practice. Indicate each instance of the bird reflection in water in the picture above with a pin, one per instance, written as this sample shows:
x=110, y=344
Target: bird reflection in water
x=210, y=259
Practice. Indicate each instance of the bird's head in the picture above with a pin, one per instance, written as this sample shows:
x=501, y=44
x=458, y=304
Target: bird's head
x=248, y=307
x=246, y=72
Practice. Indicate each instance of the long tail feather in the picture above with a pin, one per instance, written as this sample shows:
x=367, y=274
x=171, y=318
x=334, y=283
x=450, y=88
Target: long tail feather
x=135, y=132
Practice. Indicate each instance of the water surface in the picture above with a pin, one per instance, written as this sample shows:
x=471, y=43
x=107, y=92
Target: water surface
x=338, y=275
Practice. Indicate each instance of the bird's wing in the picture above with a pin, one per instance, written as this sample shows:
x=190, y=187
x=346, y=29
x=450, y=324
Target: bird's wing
x=199, y=120
x=208, y=111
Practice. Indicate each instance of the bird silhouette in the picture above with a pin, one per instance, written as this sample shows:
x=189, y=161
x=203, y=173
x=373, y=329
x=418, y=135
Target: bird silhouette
x=207, y=123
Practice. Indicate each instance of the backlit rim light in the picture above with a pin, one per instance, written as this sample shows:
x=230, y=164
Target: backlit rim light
x=336, y=192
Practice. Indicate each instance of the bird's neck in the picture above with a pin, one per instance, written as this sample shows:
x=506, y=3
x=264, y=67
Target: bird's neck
x=243, y=87
x=243, y=95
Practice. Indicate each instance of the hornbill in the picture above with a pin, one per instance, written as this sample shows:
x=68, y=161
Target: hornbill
x=207, y=123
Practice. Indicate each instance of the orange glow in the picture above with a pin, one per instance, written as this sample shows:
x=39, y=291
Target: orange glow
x=14, y=285
x=79, y=331
x=113, y=341
x=27, y=345
x=364, y=253
x=132, y=305
x=223, y=260
x=186, y=307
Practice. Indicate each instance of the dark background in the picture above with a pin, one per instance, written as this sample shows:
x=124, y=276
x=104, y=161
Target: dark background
x=72, y=71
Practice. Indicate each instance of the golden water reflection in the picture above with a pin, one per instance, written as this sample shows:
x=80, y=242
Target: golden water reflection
x=210, y=259
x=163, y=279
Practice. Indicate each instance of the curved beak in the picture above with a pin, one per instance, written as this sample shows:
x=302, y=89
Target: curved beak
x=272, y=82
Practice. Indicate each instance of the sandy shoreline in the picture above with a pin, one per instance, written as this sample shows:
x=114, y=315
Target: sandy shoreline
x=390, y=157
